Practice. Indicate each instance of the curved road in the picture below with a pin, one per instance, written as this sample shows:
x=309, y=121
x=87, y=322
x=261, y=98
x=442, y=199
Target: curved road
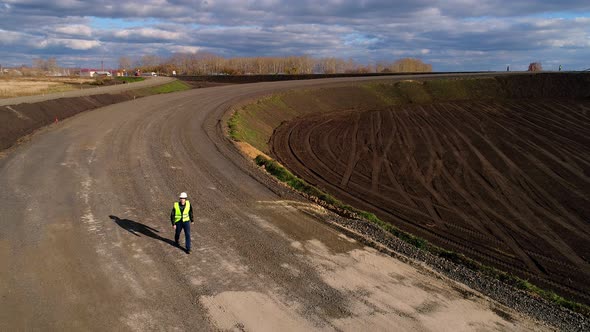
x=85, y=239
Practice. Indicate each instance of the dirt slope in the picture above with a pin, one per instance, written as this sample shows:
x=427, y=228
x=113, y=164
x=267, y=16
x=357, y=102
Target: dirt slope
x=505, y=183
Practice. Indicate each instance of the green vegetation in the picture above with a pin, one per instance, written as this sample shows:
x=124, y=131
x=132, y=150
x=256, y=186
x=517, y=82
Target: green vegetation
x=233, y=124
x=428, y=91
x=174, y=86
x=413, y=92
x=256, y=121
x=243, y=132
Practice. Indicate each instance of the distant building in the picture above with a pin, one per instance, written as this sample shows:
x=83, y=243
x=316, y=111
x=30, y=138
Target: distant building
x=103, y=73
x=88, y=72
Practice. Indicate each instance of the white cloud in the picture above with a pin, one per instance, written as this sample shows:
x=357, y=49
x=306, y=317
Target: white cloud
x=148, y=33
x=9, y=37
x=73, y=44
x=565, y=43
x=79, y=44
x=184, y=49
x=75, y=30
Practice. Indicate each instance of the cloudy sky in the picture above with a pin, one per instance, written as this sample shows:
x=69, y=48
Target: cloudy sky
x=452, y=35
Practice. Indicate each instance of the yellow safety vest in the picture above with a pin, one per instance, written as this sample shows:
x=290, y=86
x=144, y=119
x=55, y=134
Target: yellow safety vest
x=182, y=215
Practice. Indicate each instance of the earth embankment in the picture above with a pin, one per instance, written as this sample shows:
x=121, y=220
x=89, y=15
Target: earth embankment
x=22, y=116
x=496, y=169
x=17, y=121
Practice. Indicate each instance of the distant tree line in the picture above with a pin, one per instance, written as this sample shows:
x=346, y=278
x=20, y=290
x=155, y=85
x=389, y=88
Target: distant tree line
x=48, y=65
x=204, y=63
x=40, y=67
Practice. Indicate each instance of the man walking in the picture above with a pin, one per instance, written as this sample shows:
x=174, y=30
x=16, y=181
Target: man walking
x=181, y=217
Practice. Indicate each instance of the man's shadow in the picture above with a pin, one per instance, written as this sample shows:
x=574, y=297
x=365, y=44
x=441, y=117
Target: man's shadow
x=137, y=228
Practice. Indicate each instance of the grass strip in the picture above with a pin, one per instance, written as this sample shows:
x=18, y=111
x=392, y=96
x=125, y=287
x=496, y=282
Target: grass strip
x=284, y=175
x=174, y=86
x=233, y=124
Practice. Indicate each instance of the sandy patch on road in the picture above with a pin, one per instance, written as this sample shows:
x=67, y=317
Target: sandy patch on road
x=381, y=293
x=252, y=311
x=385, y=292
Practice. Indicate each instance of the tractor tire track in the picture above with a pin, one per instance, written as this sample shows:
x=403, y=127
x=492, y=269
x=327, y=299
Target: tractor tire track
x=505, y=182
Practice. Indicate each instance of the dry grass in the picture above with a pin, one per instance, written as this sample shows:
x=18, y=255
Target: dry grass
x=27, y=86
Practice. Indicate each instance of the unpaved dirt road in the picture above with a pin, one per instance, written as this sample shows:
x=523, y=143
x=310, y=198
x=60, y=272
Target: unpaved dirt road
x=85, y=240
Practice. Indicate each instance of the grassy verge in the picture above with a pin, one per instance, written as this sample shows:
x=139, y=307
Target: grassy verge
x=234, y=127
x=174, y=86
x=439, y=90
x=285, y=176
x=241, y=132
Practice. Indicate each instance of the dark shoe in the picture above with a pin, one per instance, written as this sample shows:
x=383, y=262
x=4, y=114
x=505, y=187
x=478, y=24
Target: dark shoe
x=188, y=251
x=176, y=244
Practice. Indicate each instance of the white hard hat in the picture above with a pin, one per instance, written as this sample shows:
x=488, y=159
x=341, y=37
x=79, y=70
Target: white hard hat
x=183, y=195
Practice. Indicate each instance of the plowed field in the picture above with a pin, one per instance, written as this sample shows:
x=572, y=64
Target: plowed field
x=506, y=183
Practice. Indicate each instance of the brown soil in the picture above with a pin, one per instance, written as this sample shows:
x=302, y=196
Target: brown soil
x=20, y=117
x=507, y=183
x=17, y=121
x=203, y=84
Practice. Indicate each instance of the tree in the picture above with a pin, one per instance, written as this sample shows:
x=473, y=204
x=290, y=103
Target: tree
x=150, y=62
x=125, y=63
x=407, y=65
x=49, y=65
x=535, y=66
x=328, y=65
x=39, y=64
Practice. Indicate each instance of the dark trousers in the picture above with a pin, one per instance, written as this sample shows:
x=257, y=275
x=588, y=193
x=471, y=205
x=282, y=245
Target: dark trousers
x=187, y=233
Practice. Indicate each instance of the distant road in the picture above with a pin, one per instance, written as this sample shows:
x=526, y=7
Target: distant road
x=149, y=81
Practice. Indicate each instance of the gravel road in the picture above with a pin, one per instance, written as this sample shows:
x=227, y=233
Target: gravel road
x=86, y=243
